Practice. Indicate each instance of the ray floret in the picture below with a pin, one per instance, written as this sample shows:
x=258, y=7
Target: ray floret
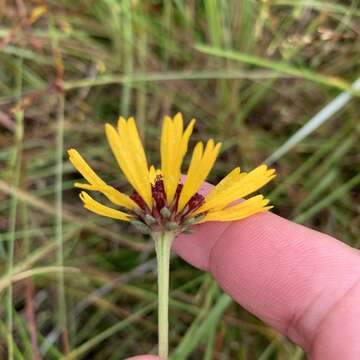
x=173, y=147
x=160, y=201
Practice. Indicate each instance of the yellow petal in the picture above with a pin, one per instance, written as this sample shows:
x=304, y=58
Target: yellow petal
x=96, y=183
x=136, y=144
x=173, y=144
x=132, y=144
x=239, y=211
x=240, y=185
x=201, y=163
x=229, y=180
x=130, y=155
x=185, y=139
x=120, y=154
x=100, y=209
x=83, y=168
x=136, y=154
x=153, y=173
x=112, y=194
x=165, y=152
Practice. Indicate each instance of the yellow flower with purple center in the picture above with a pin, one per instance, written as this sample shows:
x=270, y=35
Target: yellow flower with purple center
x=160, y=201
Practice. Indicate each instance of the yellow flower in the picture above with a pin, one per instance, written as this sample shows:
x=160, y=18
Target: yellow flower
x=160, y=201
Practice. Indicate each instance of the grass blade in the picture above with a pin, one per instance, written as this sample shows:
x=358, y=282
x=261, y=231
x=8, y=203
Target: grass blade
x=200, y=328
x=278, y=66
x=320, y=118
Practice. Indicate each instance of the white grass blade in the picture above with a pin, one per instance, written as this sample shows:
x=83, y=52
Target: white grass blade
x=321, y=117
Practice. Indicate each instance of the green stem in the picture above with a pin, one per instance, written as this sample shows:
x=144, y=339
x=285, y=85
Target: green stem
x=162, y=246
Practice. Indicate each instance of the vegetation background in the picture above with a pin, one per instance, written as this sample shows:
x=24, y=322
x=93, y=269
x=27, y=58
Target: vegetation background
x=253, y=73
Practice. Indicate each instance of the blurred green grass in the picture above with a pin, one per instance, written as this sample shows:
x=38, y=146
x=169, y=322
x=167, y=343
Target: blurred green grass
x=251, y=72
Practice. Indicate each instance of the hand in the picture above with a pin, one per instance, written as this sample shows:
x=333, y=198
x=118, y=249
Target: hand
x=300, y=281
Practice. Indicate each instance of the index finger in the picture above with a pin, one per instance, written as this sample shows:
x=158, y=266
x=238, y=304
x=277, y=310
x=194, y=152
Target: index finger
x=286, y=274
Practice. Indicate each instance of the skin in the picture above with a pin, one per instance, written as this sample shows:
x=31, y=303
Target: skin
x=303, y=283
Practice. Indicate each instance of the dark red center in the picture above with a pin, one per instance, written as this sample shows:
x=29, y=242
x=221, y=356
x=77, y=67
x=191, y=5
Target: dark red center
x=139, y=200
x=158, y=193
x=159, y=197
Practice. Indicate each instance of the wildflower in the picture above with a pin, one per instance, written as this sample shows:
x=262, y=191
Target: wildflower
x=160, y=202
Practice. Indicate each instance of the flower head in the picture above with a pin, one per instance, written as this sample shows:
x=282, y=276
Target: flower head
x=160, y=201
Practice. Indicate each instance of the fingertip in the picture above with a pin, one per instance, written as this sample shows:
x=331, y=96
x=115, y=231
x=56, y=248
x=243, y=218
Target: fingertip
x=196, y=248
x=273, y=267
